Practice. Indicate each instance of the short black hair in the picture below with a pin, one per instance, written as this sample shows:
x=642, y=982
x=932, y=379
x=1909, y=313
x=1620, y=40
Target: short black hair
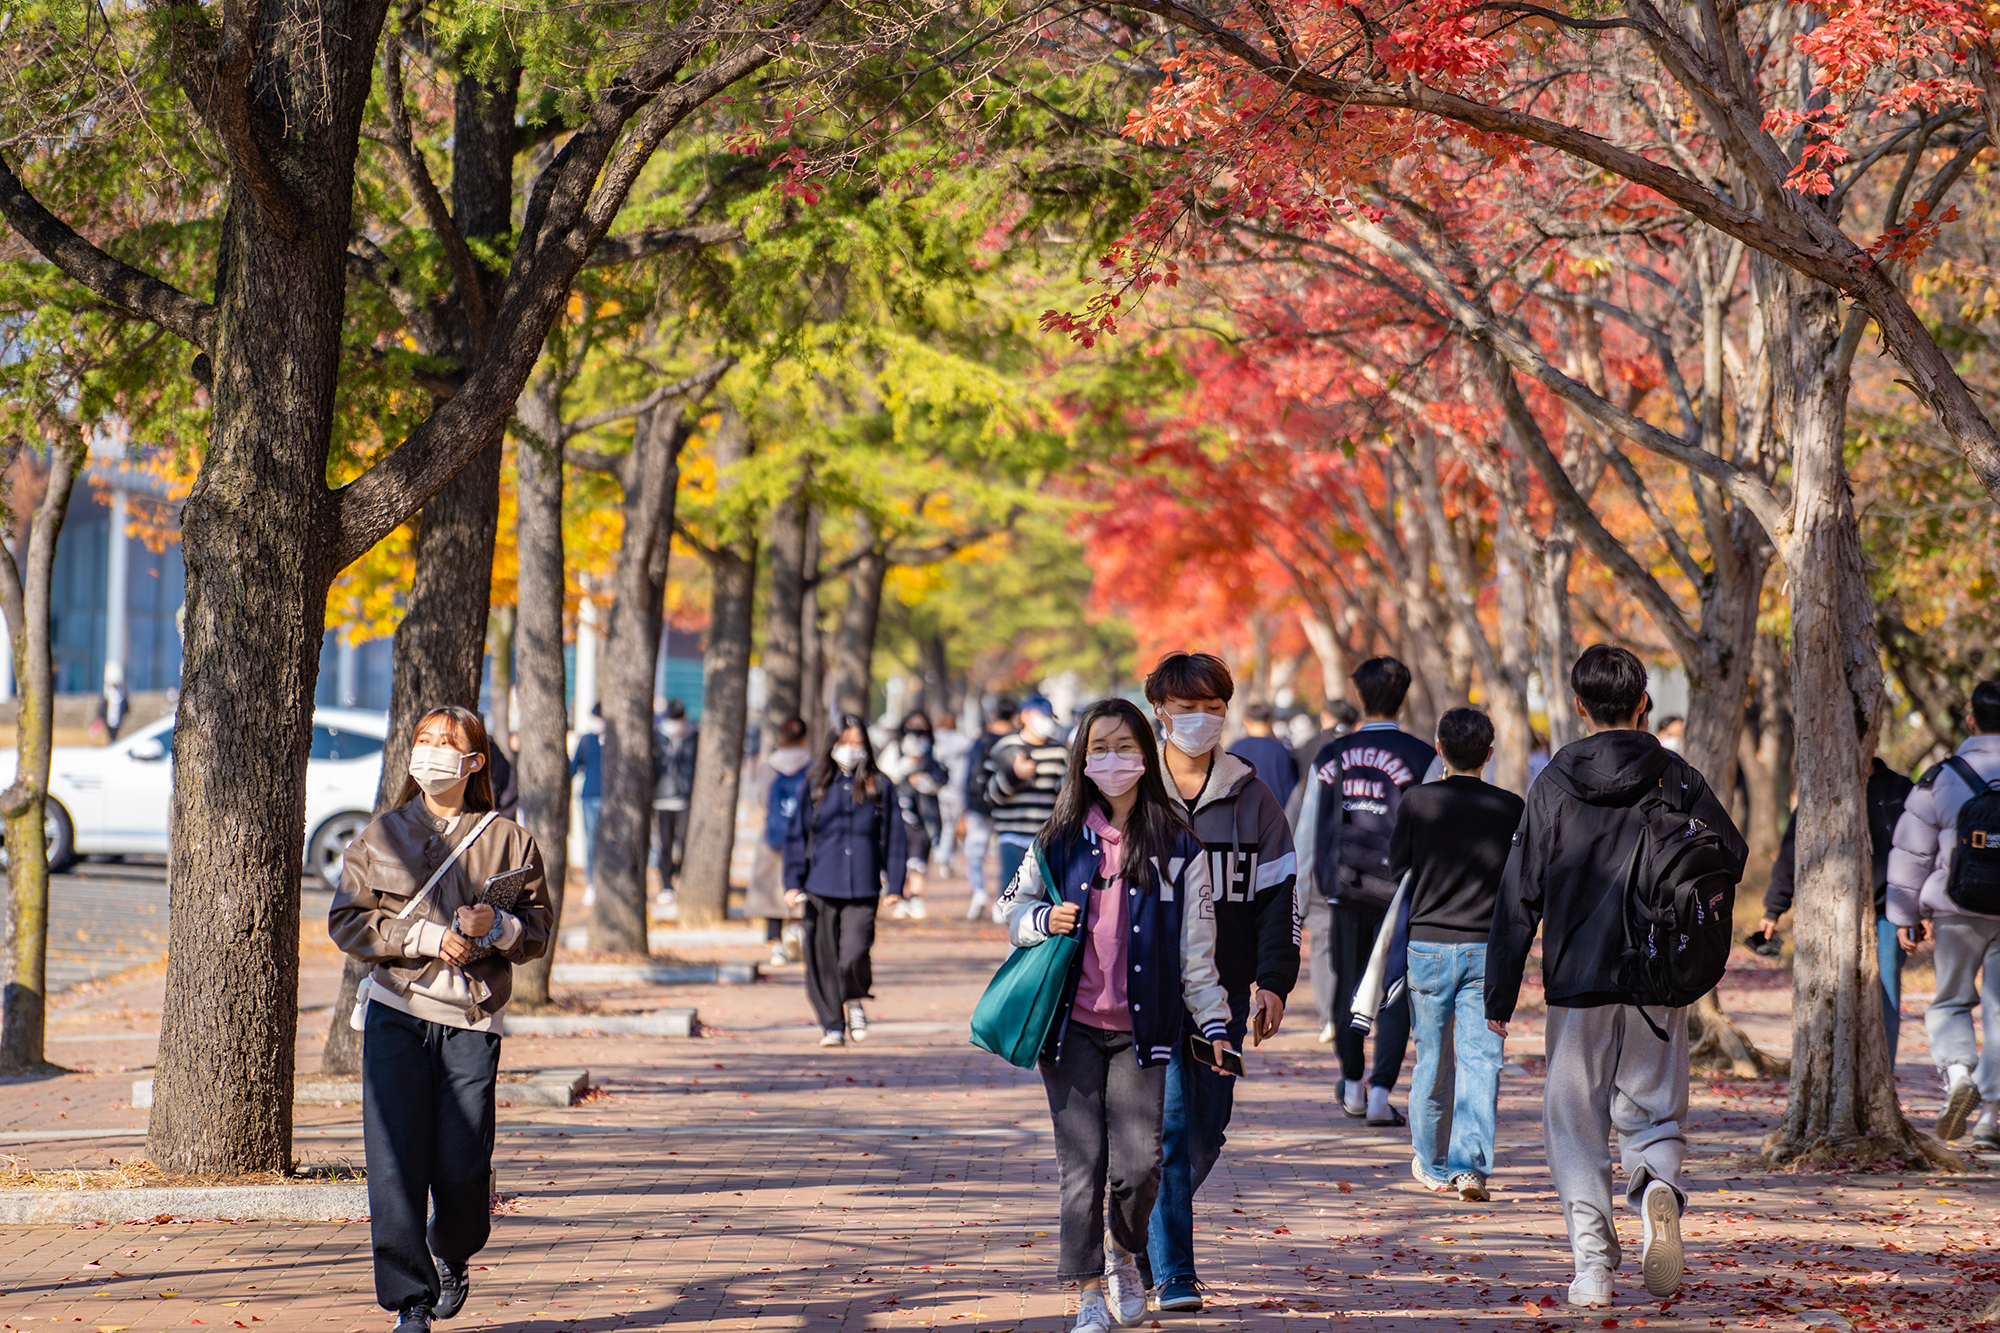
x=1986, y=705
x=675, y=708
x=1383, y=683
x=1343, y=712
x=1005, y=708
x=1261, y=713
x=1190, y=676
x=1610, y=683
x=792, y=731
x=1466, y=737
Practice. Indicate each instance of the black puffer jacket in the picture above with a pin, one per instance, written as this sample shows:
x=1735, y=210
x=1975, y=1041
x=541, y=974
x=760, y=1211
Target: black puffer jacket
x=1563, y=872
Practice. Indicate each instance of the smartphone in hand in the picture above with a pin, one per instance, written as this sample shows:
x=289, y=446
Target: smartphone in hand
x=1204, y=1051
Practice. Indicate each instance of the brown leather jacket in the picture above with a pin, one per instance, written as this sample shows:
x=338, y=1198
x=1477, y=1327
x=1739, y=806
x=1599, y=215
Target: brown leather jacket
x=390, y=862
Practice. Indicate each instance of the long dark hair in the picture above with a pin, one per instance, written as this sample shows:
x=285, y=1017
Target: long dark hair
x=868, y=779
x=472, y=735
x=1156, y=821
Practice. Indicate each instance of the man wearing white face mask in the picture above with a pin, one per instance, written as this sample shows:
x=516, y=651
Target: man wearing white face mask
x=1027, y=772
x=1258, y=911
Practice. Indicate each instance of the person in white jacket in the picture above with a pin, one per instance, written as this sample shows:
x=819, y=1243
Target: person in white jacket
x=1132, y=882
x=1968, y=945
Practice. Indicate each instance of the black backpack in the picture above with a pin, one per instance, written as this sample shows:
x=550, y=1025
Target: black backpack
x=1680, y=901
x=1974, y=880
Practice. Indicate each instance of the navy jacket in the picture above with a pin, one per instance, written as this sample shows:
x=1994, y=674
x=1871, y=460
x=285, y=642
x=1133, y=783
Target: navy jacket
x=1348, y=816
x=1170, y=971
x=851, y=848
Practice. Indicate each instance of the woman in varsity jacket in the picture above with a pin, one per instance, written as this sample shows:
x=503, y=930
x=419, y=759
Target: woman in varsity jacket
x=1135, y=886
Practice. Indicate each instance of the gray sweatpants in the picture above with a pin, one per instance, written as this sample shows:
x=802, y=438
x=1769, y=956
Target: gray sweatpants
x=1607, y=1070
x=1319, y=943
x=1966, y=946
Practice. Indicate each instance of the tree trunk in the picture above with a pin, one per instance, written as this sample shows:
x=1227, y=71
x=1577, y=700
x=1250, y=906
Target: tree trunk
x=542, y=769
x=1513, y=735
x=854, y=644
x=1556, y=635
x=784, y=624
x=718, y=765
x=1843, y=1093
x=501, y=645
x=259, y=537
x=25, y=593
x=650, y=474
x=937, y=676
x=812, y=641
x=1331, y=652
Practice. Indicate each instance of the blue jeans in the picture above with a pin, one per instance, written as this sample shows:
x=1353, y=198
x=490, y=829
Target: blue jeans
x=1199, y=1101
x=591, y=807
x=1455, y=1091
x=1889, y=958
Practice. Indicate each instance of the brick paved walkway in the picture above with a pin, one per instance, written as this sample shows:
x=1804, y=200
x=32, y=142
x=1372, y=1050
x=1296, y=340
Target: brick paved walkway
x=747, y=1180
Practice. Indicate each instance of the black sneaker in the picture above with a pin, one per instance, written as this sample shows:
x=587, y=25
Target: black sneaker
x=454, y=1286
x=414, y=1319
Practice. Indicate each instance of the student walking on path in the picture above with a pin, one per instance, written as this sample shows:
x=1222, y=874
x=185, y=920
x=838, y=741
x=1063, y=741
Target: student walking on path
x=1134, y=883
x=780, y=781
x=1027, y=771
x=1887, y=791
x=1345, y=823
x=845, y=846
x=919, y=778
x=1241, y=826
x=1452, y=839
x=1967, y=942
x=1611, y=1064
x=433, y=1008
x=1264, y=752
x=675, y=745
x=979, y=803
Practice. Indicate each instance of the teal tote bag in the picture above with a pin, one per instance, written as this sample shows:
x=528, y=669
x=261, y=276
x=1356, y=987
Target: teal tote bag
x=1013, y=1017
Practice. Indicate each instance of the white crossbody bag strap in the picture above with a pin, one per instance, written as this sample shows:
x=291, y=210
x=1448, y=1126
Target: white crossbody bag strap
x=358, y=1020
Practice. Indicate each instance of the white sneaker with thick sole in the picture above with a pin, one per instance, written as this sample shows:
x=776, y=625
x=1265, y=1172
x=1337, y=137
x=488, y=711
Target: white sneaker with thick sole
x=1591, y=1289
x=1471, y=1189
x=917, y=909
x=1124, y=1292
x=779, y=958
x=1660, y=1256
x=857, y=1023
x=1091, y=1316
x=1425, y=1178
x=1960, y=1101
x=833, y=1037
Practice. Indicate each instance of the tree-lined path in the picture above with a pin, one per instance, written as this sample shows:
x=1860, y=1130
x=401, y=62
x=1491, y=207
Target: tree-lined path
x=748, y=1180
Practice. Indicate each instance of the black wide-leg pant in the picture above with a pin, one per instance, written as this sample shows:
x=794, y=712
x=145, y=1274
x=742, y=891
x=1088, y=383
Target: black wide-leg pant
x=839, y=934
x=427, y=1128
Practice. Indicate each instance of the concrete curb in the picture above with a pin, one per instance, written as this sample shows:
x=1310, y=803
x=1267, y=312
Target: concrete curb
x=305, y=1202
x=548, y=1087
x=659, y=1023
x=653, y=974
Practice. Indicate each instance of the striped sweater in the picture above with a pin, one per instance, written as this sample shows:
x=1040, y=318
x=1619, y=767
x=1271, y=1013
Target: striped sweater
x=1022, y=806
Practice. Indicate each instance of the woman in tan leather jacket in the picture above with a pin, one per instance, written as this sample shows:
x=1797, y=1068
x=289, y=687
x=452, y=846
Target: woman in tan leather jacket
x=433, y=1007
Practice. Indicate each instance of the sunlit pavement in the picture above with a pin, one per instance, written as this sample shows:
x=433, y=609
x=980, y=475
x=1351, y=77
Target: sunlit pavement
x=747, y=1179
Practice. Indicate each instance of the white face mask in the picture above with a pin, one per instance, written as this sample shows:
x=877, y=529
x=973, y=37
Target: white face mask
x=849, y=757
x=1035, y=727
x=1194, y=733
x=437, y=768
x=675, y=728
x=915, y=746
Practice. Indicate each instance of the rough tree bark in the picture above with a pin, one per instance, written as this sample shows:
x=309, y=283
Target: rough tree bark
x=1843, y=1103
x=542, y=767
x=812, y=641
x=500, y=645
x=784, y=624
x=725, y=702
x=854, y=641
x=24, y=597
x=650, y=476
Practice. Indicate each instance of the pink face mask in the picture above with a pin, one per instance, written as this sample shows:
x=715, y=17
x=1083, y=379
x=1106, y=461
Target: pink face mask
x=1114, y=774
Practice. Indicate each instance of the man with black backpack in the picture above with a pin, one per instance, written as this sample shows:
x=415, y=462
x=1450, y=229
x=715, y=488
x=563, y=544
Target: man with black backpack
x=1944, y=882
x=1345, y=825
x=1629, y=863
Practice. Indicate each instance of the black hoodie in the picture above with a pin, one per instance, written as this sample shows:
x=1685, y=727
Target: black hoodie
x=1565, y=866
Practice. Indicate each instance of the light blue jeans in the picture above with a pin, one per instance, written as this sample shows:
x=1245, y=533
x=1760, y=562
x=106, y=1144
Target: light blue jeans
x=1890, y=956
x=1455, y=1091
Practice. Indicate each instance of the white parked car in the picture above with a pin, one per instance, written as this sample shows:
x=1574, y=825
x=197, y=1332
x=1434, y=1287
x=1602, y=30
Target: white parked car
x=114, y=798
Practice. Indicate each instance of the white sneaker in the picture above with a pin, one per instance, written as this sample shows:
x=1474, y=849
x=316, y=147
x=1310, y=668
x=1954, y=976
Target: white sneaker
x=857, y=1023
x=917, y=909
x=1091, y=1316
x=978, y=908
x=1960, y=1101
x=1591, y=1289
x=1123, y=1291
x=779, y=958
x=901, y=911
x=1425, y=1178
x=833, y=1037
x=1326, y=1035
x=1660, y=1255
x=1471, y=1189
